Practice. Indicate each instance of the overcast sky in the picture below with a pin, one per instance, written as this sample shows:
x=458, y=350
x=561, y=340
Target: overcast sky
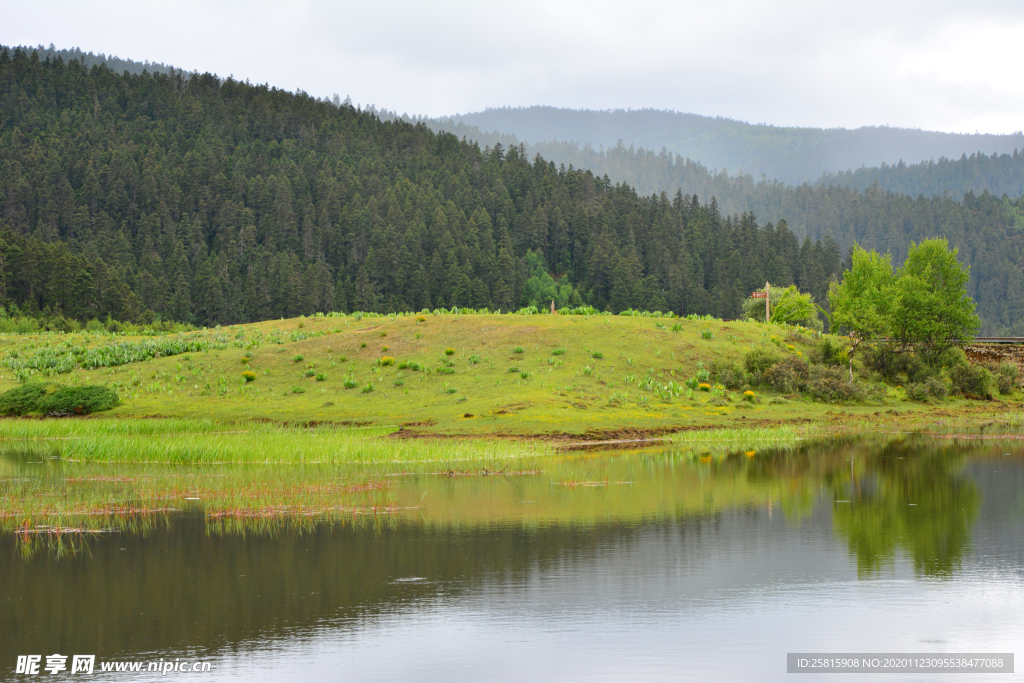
x=933, y=65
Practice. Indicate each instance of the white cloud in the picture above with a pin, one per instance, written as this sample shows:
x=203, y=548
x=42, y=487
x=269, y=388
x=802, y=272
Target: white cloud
x=928, y=65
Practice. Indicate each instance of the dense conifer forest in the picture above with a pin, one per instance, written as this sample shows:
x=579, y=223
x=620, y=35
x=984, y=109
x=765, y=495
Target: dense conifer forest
x=218, y=201
x=208, y=200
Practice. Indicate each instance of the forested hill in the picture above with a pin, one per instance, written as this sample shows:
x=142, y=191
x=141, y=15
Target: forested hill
x=998, y=174
x=113, y=62
x=790, y=155
x=218, y=201
x=652, y=172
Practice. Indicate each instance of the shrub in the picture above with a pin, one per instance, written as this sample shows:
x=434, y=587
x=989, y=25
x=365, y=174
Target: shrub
x=245, y=359
x=894, y=366
x=558, y=352
x=517, y=349
x=588, y=371
x=932, y=387
x=321, y=377
x=386, y=360
x=830, y=352
x=973, y=381
x=832, y=384
x=351, y=383
x=309, y=372
x=449, y=351
x=749, y=396
x=707, y=334
x=1005, y=375
x=446, y=371
x=420, y=319
x=953, y=357
x=368, y=388
x=399, y=382
x=936, y=388
x=384, y=349
x=474, y=359
x=787, y=376
x=249, y=376
x=759, y=360
x=524, y=374
x=729, y=374
x=917, y=392
x=23, y=400
x=704, y=386
x=297, y=359
x=514, y=368
x=298, y=390
x=80, y=400
x=597, y=355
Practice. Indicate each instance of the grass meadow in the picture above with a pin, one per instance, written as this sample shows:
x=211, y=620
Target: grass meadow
x=578, y=376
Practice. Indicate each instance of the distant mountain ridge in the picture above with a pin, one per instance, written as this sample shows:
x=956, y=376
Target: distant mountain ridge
x=788, y=154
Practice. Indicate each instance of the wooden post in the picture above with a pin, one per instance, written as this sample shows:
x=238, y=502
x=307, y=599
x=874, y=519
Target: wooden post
x=552, y=306
x=767, y=304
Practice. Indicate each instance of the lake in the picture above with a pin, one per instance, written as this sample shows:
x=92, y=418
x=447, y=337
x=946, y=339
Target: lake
x=645, y=565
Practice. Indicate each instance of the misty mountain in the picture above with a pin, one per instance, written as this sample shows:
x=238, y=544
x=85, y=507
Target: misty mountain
x=790, y=155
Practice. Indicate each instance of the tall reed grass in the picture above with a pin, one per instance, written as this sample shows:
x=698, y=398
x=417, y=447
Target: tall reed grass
x=186, y=441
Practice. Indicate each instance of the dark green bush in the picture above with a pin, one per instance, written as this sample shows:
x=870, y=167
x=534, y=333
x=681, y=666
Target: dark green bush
x=832, y=384
x=757, y=361
x=78, y=400
x=891, y=365
x=932, y=387
x=911, y=368
x=728, y=374
x=952, y=358
x=936, y=388
x=973, y=381
x=23, y=400
x=917, y=392
x=1005, y=374
x=830, y=352
x=787, y=376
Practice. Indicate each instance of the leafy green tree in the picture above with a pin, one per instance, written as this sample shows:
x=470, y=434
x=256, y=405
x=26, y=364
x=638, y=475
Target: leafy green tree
x=924, y=307
x=932, y=310
x=789, y=306
x=796, y=308
x=862, y=301
x=541, y=289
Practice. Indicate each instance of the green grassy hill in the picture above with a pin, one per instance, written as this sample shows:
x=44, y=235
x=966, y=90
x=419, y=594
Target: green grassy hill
x=567, y=375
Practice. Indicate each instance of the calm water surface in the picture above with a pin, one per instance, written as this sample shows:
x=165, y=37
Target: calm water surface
x=642, y=566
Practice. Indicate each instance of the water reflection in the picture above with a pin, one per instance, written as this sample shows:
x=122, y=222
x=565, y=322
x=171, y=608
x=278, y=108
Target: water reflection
x=918, y=501
x=655, y=531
